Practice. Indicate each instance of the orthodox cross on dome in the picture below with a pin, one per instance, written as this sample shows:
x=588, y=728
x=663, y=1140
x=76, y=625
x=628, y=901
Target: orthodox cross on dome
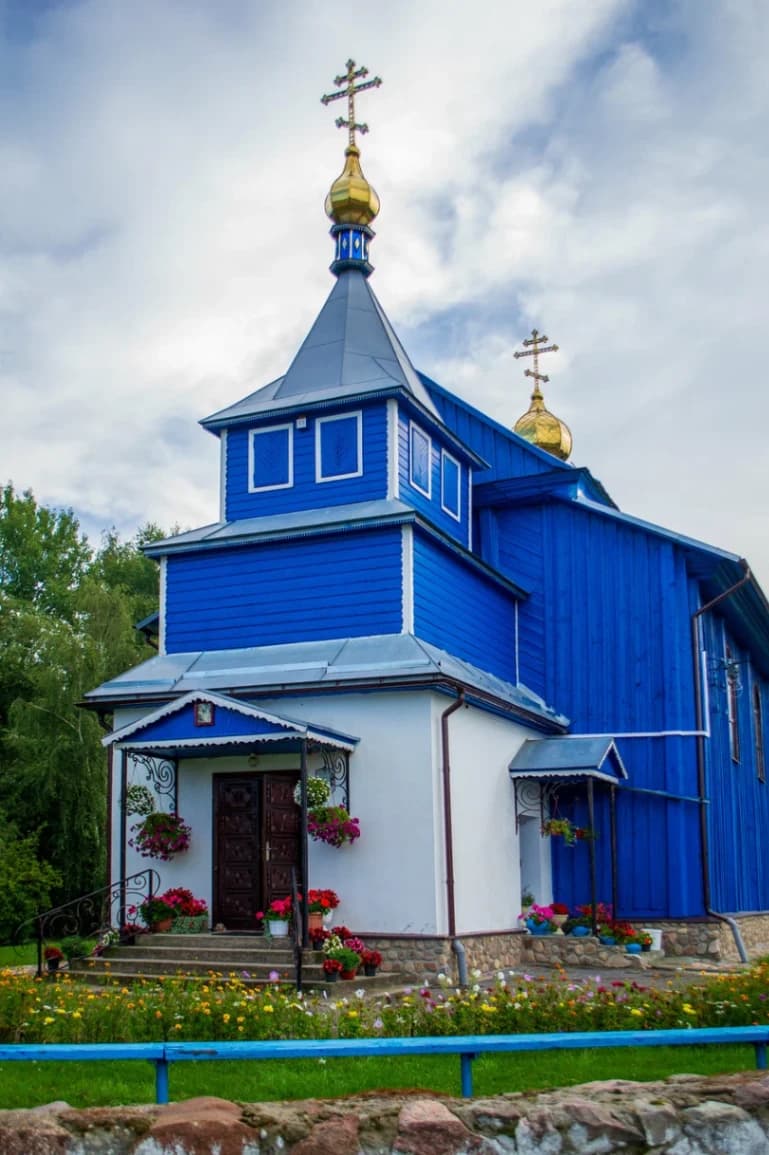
x=351, y=88
x=535, y=340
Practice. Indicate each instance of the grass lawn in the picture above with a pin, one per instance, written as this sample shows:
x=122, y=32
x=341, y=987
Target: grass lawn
x=19, y=956
x=105, y=1084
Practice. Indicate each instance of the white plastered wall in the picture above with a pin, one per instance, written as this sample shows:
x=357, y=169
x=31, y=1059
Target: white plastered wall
x=487, y=872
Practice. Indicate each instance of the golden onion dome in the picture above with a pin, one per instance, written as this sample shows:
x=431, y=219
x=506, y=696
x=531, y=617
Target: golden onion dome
x=351, y=200
x=541, y=428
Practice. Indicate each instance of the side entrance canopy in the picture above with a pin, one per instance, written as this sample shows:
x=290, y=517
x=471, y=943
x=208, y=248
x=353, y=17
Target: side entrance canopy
x=543, y=765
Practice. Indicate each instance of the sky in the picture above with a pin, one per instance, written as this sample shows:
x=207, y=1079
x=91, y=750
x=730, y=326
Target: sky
x=596, y=170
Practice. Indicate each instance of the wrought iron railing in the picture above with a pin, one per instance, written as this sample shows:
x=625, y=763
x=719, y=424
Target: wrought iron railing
x=91, y=915
x=296, y=927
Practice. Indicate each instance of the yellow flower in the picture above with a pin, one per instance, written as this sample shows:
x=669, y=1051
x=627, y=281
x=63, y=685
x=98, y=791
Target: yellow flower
x=635, y=1011
x=177, y=1026
x=76, y=1015
x=267, y=1009
x=225, y=1018
x=688, y=1009
x=48, y=1019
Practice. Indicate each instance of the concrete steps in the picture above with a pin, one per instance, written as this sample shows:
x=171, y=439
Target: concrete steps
x=251, y=959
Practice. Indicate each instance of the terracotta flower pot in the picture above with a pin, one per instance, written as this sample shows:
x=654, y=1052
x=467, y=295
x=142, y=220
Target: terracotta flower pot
x=162, y=925
x=348, y=974
x=315, y=920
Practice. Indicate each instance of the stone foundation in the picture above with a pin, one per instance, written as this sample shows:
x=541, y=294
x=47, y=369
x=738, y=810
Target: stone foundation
x=425, y=956
x=684, y=1115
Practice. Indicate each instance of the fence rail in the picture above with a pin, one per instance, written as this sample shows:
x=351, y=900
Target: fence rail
x=467, y=1047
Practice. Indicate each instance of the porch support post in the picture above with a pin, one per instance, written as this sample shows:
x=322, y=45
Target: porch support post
x=305, y=939
x=591, y=849
x=613, y=835
x=122, y=868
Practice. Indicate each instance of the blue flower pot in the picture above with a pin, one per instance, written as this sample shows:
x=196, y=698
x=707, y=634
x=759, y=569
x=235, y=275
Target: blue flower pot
x=608, y=939
x=580, y=931
x=633, y=947
x=541, y=928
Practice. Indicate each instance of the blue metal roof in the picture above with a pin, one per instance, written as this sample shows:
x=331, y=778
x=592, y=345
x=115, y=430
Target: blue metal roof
x=568, y=757
x=387, y=660
x=350, y=351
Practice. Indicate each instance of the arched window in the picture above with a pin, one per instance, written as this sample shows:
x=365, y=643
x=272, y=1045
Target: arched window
x=758, y=733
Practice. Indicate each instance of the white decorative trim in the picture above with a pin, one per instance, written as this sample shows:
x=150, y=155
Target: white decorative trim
x=407, y=580
x=319, y=477
x=223, y=476
x=290, y=725
x=234, y=740
x=414, y=428
x=446, y=456
x=163, y=578
x=254, y=433
x=393, y=475
x=469, y=508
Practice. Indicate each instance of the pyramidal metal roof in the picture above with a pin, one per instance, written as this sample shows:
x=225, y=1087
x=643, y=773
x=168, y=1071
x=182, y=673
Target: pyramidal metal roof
x=351, y=351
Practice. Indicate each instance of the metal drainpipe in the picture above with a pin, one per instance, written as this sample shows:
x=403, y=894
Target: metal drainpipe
x=701, y=784
x=448, y=831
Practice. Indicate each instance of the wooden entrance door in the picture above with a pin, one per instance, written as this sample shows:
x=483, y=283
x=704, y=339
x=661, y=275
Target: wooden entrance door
x=256, y=842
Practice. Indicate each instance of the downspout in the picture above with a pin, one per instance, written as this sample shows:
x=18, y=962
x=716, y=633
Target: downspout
x=448, y=835
x=701, y=783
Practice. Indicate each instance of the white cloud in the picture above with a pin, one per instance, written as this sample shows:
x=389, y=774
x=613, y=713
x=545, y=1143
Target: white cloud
x=595, y=170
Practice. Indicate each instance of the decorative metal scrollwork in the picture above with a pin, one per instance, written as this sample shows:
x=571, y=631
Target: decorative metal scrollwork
x=92, y=914
x=161, y=774
x=336, y=769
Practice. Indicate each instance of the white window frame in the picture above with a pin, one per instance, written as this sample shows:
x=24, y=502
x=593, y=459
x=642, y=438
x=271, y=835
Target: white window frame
x=445, y=456
x=414, y=428
x=252, y=435
x=319, y=477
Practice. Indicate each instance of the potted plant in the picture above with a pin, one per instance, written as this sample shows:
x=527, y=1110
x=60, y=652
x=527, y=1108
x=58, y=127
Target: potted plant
x=53, y=957
x=157, y=914
x=129, y=931
x=563, y=828
x=371, y=960
x=332, y=825
x=527, y=901
x=335, y=948
x=560, y=915
x=332, y=968
x=191, y=914
x=540, y=920
x=75, y=946
x=646, y=941
x=161, y=836
x=318, y=792
x=320, y=904
x=277, y=917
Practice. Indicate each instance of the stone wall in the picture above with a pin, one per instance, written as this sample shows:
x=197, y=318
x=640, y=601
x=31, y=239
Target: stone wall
x=423, y=956
x=685, y=1115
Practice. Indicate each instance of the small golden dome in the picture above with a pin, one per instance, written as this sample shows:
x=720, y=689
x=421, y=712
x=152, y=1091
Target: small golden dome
x=543, y=429
x=351, y=200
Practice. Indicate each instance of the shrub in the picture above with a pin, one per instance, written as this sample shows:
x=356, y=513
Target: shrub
x=25, y=881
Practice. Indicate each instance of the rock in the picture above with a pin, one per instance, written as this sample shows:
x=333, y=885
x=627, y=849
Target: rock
x=199, y=1127
x=334, y=1137
x=719, y=1127
x=427, y=1127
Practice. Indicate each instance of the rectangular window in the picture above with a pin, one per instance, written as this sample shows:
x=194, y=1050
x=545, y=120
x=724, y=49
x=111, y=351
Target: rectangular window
x=451, y=476
x=339, y=447
x=420, y=459
x=758, y=733
x=270, y=458
x=732, y=690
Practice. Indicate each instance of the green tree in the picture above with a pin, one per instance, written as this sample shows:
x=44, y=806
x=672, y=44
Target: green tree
x=43, y=554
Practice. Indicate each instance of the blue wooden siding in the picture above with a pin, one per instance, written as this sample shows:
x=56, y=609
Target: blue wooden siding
x=181, y=725
x=461, y=611
x=738, y=815
x=306, y=493
x=605, y=637
x=321, y=587
x=430, y=507
x=507, y=454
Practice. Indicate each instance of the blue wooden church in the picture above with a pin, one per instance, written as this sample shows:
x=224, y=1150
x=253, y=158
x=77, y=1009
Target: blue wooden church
x=466, y=638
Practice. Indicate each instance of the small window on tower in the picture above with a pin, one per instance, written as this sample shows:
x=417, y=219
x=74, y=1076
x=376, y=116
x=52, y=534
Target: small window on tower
x=450, y=485
x=270, y=458
x=339, y=447
x=420, y=460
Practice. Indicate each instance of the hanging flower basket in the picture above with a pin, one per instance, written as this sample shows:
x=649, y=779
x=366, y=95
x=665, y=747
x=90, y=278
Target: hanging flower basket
x=161, y=836
x=332, y=825
x=563, y=828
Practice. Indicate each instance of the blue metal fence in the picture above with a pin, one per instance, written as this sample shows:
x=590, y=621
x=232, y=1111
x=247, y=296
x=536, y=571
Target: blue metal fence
x=467, y=1047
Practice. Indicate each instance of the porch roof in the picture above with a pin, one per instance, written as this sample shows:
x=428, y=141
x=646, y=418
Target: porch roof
x=201, y=724
x=569, y=757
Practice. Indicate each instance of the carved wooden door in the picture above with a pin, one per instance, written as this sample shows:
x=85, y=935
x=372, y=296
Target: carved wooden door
x=237, y=850
x=281, y=830
x=256, y=842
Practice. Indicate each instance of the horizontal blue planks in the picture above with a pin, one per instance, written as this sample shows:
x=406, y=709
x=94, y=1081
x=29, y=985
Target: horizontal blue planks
x=341, y=585
x=306, y=493
x=461, y=611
